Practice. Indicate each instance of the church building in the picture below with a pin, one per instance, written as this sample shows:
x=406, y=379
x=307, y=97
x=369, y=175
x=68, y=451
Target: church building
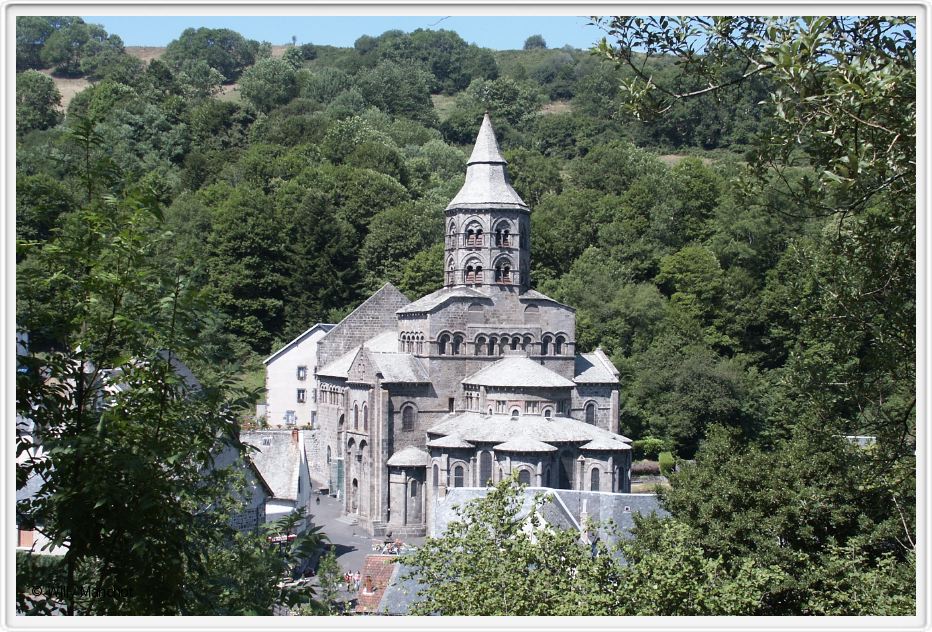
x=468, y=385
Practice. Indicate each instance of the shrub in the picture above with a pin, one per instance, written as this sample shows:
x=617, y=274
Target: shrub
x=648, y=447
x=667, y=463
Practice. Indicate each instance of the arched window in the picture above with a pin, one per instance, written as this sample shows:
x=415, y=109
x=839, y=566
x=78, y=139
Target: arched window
x=545, y=345
x=458, y=476
x=480, y=342
x=452, y=241
x=355, y=417
x=515, y=341
x=474, y=234
x=524, y=477
x=526, y=343
x=408, y=414
x=485, y=469
x=442, y=344
x=492, y=342
x=594, y=480
x=457, y=346
x=590, y=413
x=451, y=273
x=548, y=413
x=515, y=412
x=365, y=417
x=329, y=455
x=420, y=344
x=558, y=345
x=436, y=476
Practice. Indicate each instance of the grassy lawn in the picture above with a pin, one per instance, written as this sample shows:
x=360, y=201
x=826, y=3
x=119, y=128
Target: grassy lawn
x=443, y=103
x=647, y=488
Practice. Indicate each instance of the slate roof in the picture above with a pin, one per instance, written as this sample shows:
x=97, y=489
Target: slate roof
x=436, y=299
x=278, y=463
x=537, y=296
x=518, y=372
x=400, y=368
x=319, y=326
x=498, y=429
x=387, y=341
x=409, y=457
x=525, y=445
x=595, y=368
x=603, y=444
x=486, y=183
x=451, y=441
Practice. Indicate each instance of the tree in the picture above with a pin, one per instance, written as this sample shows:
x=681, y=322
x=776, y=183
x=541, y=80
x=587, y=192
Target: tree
x=330, y=577
x=535, y=41
x=224, y=50
x=31, y=33
x=37, y=102
x=270, y=83
x=74, y=48
x=400, y=90
x=500, y=559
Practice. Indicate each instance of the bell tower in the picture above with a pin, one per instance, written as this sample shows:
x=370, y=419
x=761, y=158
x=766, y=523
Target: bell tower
x=487, y=224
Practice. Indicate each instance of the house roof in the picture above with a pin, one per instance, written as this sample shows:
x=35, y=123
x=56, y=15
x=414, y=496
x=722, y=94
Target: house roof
x=400, y=368
x=436, y=299
x=486, y=179
x=524, y=444
x=325, y=327
x=498, y=429
x=409, y=457
x=605, y=444
x=518, y=371
x=278, y=463
x=384, y=342
x=595, y=368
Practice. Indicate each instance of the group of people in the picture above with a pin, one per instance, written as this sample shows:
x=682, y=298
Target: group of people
x=389, y=548
x=351, y=581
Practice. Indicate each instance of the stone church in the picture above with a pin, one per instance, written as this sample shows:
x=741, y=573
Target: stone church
x=465, y=386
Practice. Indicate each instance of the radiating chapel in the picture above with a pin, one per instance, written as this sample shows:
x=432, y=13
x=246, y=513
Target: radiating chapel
x=475, y=382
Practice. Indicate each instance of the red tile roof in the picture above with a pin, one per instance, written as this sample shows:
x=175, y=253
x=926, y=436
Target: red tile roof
x=379, y=568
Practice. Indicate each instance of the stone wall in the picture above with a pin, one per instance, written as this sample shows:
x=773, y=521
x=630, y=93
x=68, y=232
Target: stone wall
x=374, y=316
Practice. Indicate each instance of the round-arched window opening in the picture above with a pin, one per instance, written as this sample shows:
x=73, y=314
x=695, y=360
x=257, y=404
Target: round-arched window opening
x=408, y=414
x=524, y=477
x=548, y=413
x=594, y=480
x=515, y=412
x=355, y=416
x=458, y=476
x=590, y=413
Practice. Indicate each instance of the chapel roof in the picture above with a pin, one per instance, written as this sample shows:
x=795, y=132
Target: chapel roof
x=497, y=429
x=595, y=368
x=518, y=371
x=387, y=341
x=409, y=457
x=436, y=299
x=400, y=368
x=525, y=445
x=486, y=183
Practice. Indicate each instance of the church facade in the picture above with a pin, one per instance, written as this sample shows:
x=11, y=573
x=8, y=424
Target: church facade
x=468, y=385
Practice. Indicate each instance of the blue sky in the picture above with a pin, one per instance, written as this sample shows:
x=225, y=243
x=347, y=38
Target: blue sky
x=498, y=32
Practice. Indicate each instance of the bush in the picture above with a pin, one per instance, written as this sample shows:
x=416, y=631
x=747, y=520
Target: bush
x=667, y=463
x=648, y=447
x=645, y=468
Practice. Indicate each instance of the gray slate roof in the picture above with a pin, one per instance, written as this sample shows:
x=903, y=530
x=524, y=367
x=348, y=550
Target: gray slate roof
x=387, y=341
x=603, y=444
x=436, y=299
x=409, y=457
x=525, y=445
x=322, y=326
x=451, y=441
x=518, y=372
x=486, y=183
x=595, y=368
x=401, y=368
x=278, y=463
x=497, y=429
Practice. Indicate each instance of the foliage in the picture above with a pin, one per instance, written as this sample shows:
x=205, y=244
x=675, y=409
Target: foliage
x=535, y=41
x=37, y=102
x=330, y=576
x=647, y=447
x=667, y=463
x=269, y=83
x=226, y=51
x=74, y=47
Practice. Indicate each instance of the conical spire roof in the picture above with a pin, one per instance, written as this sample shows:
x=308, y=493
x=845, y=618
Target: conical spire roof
x=486, y=183
x=486, y=149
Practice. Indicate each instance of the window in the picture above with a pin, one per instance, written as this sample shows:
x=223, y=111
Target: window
x=451, y=273
x=485, y=469
x=414, y=489
x=302, y=395
x=266, y=441
x=458, y=476
x=515, y=412
x=472, y=275
x=531, y=408
x=473, y=235
x=457, y=345
x=594, y=480
x=329, y=455
x=442, y=343
x=492, y=342
x=451, y=404
x=480, y=342
x=558, y=345
x=501, y=407
x=503, y=272
x=524, y=477
x=590, y=413
x=302, y=372
x=407, y=417
x=355, y=416
x=515, y=341
x=365, y=417
x=548, y=413
x=545, y=345
x=290, y=418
